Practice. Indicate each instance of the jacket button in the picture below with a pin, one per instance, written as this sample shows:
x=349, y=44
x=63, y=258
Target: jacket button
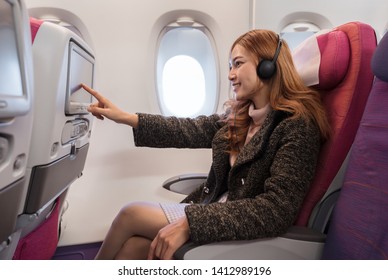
x=206, y=190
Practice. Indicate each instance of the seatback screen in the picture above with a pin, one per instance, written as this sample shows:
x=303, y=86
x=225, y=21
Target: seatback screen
x=81, y=69
x=10, y=76
x=15, y=63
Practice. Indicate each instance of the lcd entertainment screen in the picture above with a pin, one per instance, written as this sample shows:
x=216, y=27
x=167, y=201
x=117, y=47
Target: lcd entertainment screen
x=81, y=68
x=10, y=72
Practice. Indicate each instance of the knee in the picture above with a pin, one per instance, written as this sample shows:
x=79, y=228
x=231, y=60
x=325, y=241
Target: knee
x=127, y=214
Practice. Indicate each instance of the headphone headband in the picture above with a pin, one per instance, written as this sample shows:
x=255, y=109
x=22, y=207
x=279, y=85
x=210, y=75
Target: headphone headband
x=280, y=43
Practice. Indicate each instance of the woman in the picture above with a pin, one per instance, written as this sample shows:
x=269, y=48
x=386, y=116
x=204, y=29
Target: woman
x=265, y=149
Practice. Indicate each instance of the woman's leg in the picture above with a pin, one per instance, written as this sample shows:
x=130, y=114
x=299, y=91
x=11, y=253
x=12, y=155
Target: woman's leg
x=136, y=248
x=141, y=219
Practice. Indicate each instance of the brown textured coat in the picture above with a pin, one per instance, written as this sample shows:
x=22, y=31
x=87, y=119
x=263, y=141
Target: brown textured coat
x=266, y=185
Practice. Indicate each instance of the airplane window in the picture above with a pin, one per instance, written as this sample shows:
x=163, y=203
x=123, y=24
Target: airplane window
x=186, y=73
x=296, y=33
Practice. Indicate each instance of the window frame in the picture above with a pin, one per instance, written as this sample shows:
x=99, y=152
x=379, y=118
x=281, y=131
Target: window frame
x=214, y=86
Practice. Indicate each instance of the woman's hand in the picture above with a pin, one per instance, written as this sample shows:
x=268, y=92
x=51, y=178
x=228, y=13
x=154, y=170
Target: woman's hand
x=169, y=239
x=105, y=108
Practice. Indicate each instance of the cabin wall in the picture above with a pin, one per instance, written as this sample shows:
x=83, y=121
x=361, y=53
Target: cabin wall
x=276, y=14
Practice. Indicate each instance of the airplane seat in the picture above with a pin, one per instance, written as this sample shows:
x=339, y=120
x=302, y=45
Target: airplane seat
x=60, y=137
x=16, y=115
x=359, y=226
x=336, y=63
x=344, y=102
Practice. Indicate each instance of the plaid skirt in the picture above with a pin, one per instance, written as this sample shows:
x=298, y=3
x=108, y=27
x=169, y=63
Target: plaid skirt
x=173, y=211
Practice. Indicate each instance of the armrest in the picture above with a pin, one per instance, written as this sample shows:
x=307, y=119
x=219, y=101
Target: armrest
x=297, y=243
x=185, y=183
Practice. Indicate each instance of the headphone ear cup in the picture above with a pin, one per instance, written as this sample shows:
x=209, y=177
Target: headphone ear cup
x=266, y=69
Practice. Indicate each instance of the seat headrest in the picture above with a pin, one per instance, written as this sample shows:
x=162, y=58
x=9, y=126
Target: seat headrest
x=380, y=59
x=322, y=60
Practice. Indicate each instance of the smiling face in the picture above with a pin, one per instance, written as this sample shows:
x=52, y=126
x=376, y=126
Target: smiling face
x=245, y=82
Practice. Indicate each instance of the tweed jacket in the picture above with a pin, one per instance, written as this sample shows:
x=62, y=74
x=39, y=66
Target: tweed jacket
x=266, y=185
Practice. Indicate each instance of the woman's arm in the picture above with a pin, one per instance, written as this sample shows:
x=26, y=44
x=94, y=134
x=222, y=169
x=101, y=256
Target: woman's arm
x=171, y=132
x=158, y=131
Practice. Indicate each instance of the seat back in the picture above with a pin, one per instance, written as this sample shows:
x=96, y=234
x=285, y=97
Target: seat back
x=359, y=226
x=61, y=133
x=340, y=69
x=16, y=96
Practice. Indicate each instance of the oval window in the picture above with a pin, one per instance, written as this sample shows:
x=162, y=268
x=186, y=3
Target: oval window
x=186, y=72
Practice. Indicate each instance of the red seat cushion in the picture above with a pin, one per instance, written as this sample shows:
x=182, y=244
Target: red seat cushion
x=344, y=80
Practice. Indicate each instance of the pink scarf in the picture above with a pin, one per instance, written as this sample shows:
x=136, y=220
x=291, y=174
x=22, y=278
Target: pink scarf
x=258, y=116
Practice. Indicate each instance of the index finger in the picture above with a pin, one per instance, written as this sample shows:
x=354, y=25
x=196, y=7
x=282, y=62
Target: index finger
x=92, y=92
